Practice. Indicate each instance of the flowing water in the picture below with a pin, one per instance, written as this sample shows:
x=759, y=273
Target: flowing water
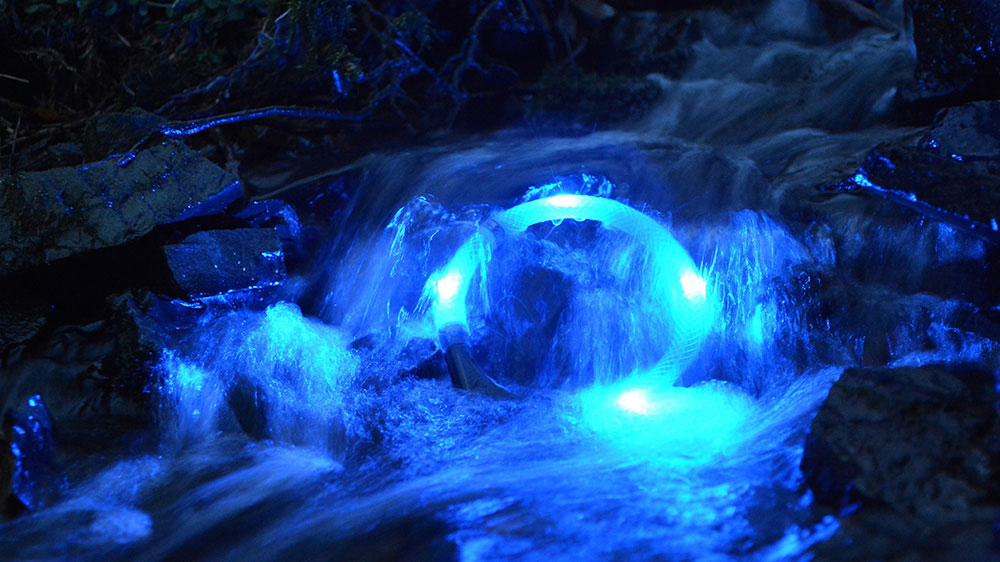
x=322, y=425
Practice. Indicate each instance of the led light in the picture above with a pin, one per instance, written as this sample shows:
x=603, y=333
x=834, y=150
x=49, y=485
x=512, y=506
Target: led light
x=565, y=200
x=693, y=286
x=634, y=401
x=448, y=286
x=676, y=280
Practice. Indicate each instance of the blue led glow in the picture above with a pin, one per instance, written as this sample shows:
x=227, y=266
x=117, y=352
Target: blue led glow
x=676, y=425
x=634, y=400
x=693, y=286
x=681, y=289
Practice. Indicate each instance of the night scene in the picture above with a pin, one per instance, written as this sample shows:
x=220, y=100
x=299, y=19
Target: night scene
x=491, y=280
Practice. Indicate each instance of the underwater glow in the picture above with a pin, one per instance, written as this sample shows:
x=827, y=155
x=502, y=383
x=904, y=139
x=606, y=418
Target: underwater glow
x=682, y=291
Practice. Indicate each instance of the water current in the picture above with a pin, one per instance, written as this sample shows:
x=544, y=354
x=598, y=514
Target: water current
x=322, y=425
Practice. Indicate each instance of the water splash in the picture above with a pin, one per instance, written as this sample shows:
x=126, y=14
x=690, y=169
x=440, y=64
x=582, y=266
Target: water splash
x=274, y=373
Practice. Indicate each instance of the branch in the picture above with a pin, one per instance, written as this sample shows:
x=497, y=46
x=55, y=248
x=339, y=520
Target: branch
x=177, y=129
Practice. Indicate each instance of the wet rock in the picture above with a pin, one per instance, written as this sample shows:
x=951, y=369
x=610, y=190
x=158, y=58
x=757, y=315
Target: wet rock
x=423, y=359
x=280, y=216
x=217, y=261
x=945, y=182
x=50, y=215
x=916, y=450
x=30, y=431
x=958, y=51
x=97, y=379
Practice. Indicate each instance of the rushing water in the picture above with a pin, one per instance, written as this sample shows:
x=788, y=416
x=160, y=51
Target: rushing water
x=323, y=426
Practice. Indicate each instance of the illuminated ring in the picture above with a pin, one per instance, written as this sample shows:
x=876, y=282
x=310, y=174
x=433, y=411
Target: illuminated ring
x=674, y=275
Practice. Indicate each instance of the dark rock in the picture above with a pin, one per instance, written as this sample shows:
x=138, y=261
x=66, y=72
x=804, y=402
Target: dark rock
x=949, y=183
x=569, y=96
x=842, y=18
x=958, y=51
x=30, y=431
x=116, y=133
x=98, y=379
x=49, y=215
x=11, y=506
x=971, y=131
x=139, y=341
x=917, y=449
x=280, y=216
x=66, y=154
x=644, y=42
x=217, y=261
x=19, y=322
x=423, y=359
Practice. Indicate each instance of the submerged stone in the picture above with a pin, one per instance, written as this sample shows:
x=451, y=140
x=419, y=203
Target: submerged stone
x=213, y=262
x=916, y=450
x=49, y=215
x=29, y=429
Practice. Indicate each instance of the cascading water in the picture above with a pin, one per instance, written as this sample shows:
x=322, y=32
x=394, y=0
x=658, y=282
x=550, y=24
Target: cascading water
x=321, y=427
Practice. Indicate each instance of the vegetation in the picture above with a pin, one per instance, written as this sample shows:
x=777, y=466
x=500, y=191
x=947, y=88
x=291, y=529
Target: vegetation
x=390, y=69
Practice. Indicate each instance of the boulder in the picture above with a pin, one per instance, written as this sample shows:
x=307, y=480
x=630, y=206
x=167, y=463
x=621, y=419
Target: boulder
x=916, y=451
x=53, y=214
x=213, y=262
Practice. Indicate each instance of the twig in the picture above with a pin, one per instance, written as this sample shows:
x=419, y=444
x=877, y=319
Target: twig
x=13, y=146
x=539, y=15
x=228, y=77
x=187, y=128
x=177, y=129
x=14, y=78
x=409, y=52
x=465, y=52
